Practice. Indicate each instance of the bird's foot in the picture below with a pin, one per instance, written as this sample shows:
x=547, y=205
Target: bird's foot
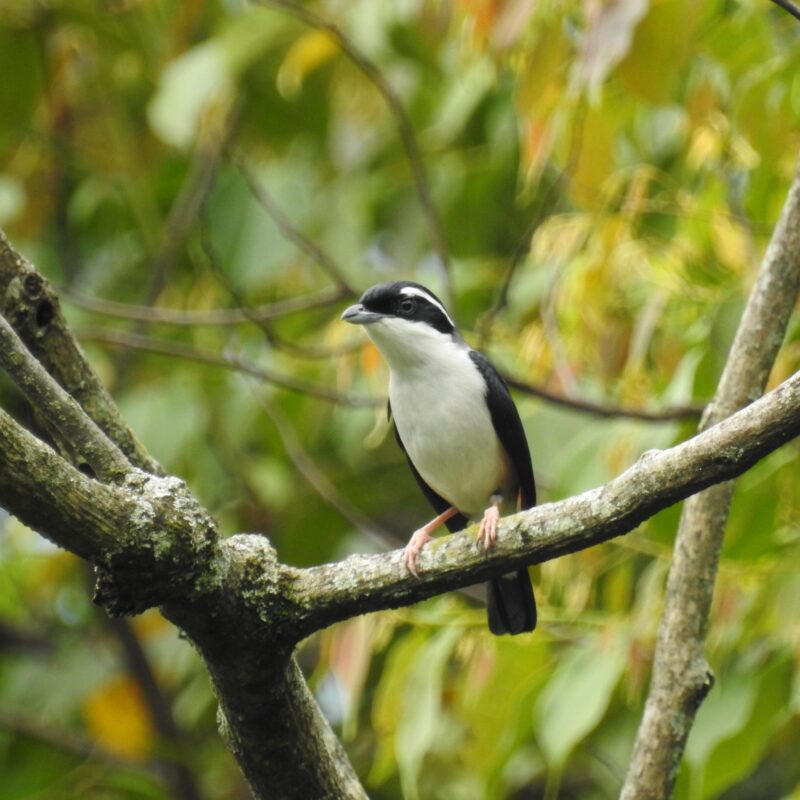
x=487, y=532
x=415, y=544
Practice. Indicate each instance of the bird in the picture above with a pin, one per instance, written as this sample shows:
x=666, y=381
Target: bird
x=456, y=422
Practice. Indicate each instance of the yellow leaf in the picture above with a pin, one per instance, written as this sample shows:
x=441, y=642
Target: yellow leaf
x=596, y=161
x=116, y=717
x=664, y=36
x=731, y=244
x=307, y=54
x=150, y=624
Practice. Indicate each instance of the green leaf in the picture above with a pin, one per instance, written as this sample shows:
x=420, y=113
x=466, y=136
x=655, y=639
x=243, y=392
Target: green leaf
x=188, y=85
x=576, y=698
x=420, y=714
x=206, y=74
x=736, y=756
x=723, y=713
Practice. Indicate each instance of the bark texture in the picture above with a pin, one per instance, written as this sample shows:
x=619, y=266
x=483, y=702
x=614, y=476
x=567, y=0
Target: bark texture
x=681, y=677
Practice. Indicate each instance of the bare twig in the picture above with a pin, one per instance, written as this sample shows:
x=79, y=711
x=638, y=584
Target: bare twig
x=276, y=341
x=66, y=741
x=668, y=414
x=788, y=6
x=199, y=182
x=681, y=677
x=319, y=482
x=212, y=317
x=134, y=341
x=289, y=231
x=524, y=246
x=404, y=127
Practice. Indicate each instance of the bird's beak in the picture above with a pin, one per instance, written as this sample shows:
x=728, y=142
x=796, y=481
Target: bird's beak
x=358, y=315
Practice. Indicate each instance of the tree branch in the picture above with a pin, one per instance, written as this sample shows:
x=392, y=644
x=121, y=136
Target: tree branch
x=788, y=6
x=148, y=534
x=213, y=317
x=244, y=610
x=148, y=344
x=60, y=410
x=681, y=677
x=361, y=583
x=404, y=127
x=31, y=306
x=668, y=414
x=289, y=231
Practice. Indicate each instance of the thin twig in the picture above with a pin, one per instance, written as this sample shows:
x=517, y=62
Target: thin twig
x=289, y=230
x=404, y=127
x=194, y=192
x=786, y=5
x=668, y=414
x=148, y=344
x=67, y=741
x=214, y=262
x=319, y=482
x=212, y=317
x=524, y=246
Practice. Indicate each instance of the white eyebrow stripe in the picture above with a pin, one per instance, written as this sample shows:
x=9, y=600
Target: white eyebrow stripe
x=412, y=291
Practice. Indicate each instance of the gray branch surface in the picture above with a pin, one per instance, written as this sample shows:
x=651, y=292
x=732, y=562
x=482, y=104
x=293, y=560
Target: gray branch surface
x=155, y=545
x=59, y=408
x=30, y=305
x=681, y=676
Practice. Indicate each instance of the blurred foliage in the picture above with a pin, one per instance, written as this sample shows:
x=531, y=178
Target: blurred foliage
x=619, y=165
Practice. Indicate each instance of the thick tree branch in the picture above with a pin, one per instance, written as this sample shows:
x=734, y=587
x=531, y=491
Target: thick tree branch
x=31, y=306
x=147, y=533
x=244, y=610
x=267, y=713
x=681, y=677
x=60, y=410
x=358, y=584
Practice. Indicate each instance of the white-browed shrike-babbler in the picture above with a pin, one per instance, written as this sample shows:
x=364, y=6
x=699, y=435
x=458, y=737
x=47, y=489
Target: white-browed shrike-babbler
x=459, y=428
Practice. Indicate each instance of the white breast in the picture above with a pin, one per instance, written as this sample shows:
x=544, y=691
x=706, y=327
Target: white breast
x=438, y=403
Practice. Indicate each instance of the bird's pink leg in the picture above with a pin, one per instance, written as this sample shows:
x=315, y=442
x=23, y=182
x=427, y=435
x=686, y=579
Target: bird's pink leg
x=421, y=537
x=487, y=533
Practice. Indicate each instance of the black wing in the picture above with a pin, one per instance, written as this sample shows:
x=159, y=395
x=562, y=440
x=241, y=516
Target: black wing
x=508, y=425
x=455, y=523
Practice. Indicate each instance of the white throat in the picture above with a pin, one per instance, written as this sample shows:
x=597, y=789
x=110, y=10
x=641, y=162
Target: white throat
x=410, y=345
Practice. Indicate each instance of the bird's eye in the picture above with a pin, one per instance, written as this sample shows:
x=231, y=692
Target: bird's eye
x=407, y=306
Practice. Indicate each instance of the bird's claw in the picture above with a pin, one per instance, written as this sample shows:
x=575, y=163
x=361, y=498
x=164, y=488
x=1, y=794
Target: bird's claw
x=487, y=532
x=415, y=544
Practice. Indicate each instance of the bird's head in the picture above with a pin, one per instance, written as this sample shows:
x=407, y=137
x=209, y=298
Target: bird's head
x=404, y=320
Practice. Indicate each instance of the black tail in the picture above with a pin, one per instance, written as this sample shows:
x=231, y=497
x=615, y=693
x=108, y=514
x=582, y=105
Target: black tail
x=510, y=604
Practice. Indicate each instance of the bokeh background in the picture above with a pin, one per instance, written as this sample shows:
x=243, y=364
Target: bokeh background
x=589, y=185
